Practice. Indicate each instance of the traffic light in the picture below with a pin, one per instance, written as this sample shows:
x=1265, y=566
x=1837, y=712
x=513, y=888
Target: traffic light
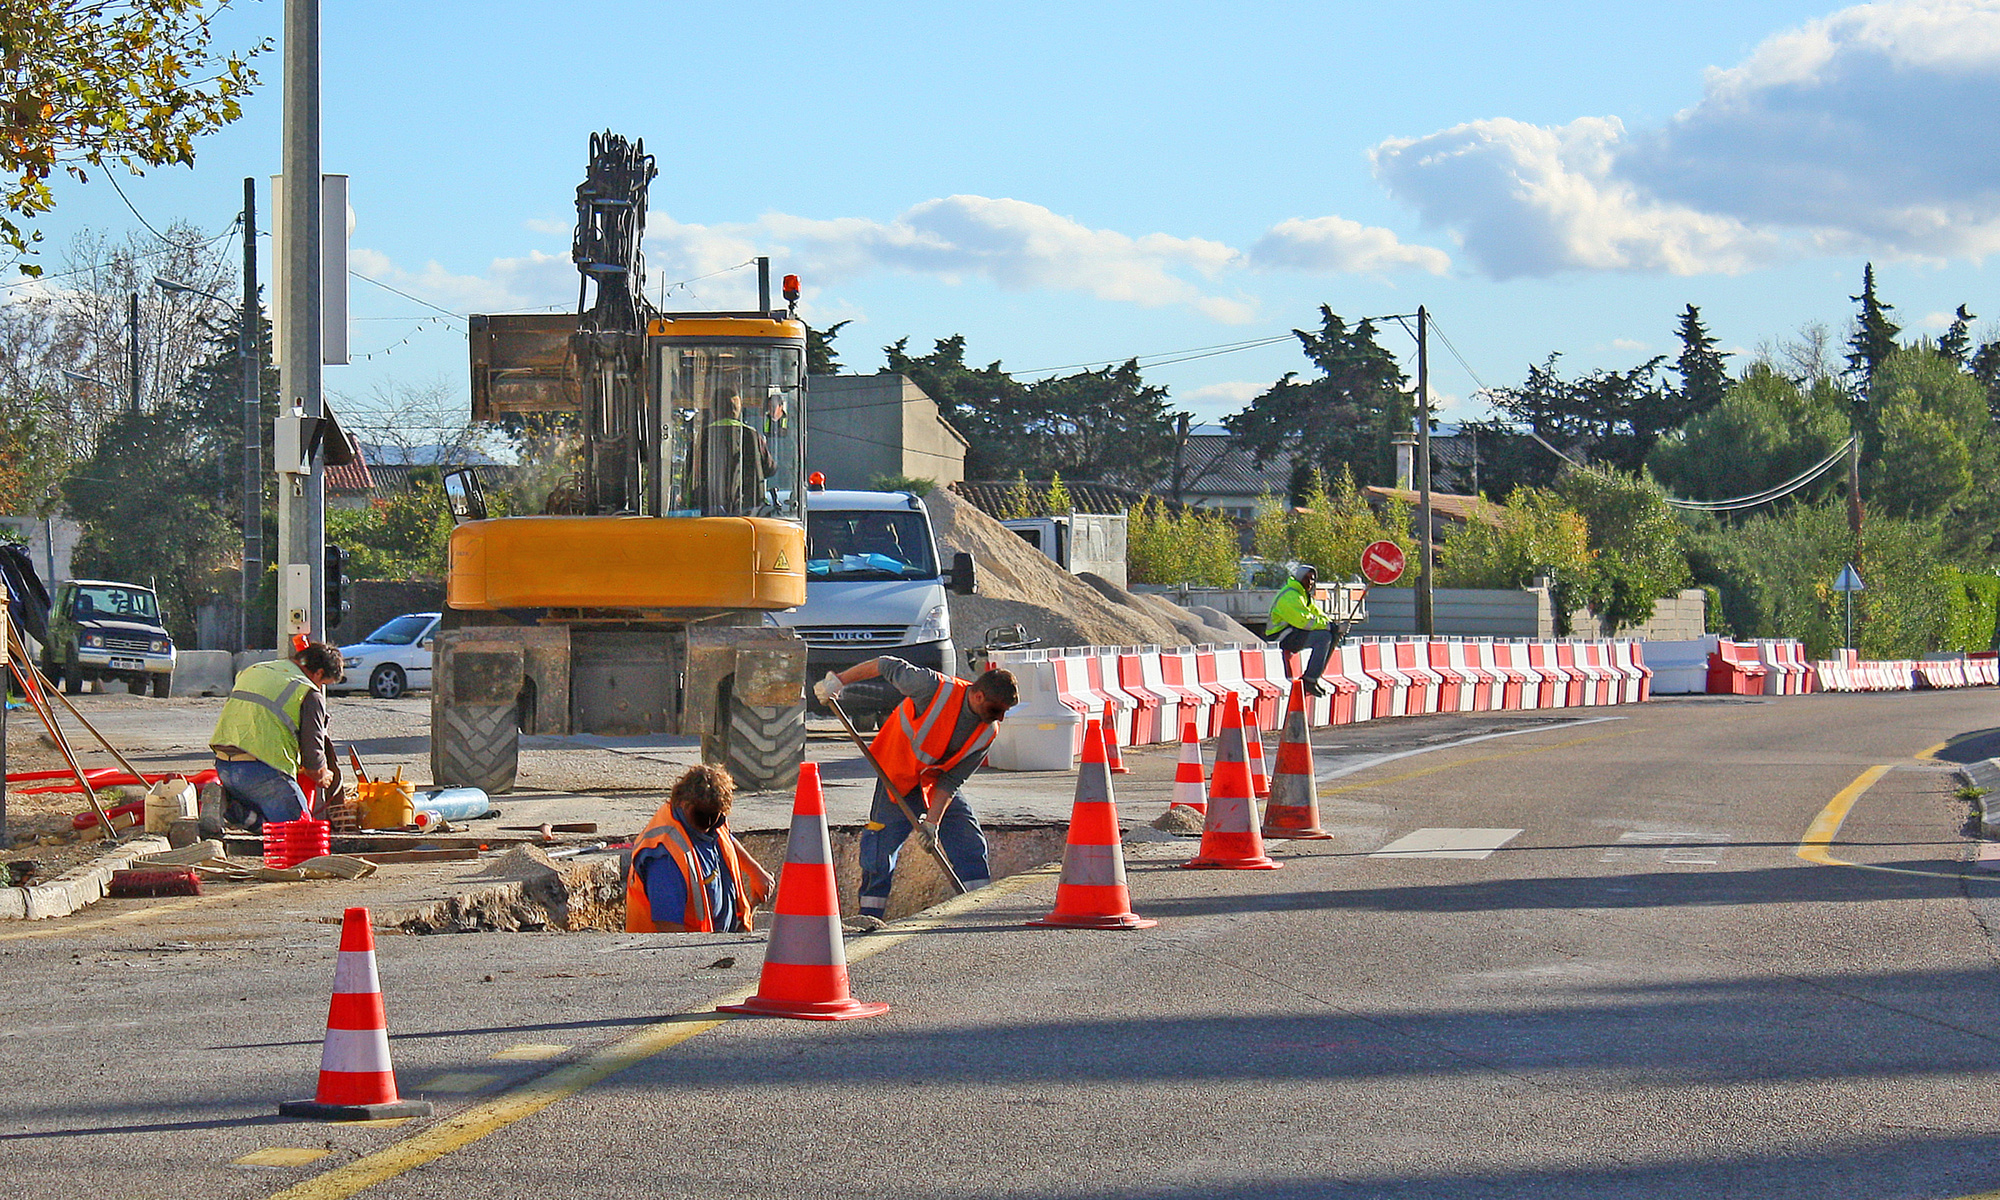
x=336, y=583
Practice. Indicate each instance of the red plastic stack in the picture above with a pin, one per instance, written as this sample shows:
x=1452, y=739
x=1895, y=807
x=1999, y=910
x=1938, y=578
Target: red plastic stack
x=289, y=843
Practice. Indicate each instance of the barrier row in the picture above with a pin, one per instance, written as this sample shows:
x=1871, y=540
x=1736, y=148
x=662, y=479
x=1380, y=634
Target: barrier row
x=1145, y=694
x=1848, y=673
x=1764, y=667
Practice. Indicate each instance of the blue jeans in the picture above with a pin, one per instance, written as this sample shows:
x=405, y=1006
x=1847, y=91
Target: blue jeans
x=256, y=792
x=1319, y=642
x=958, y=833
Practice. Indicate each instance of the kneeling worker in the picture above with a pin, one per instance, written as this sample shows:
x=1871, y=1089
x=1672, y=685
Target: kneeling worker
x=1297, y=624
x=688, y=875
x=272, y=730
x=930, y=746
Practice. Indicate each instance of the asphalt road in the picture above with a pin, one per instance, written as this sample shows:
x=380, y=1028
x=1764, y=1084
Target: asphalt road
x=1691, y=948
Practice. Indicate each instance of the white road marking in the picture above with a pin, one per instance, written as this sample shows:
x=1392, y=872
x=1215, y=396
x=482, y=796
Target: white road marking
x=1681, y=849
x=1447, y=843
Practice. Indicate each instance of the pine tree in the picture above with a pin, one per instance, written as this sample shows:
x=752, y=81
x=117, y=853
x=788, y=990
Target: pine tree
x=1957, y=340
x=1874, y=337
x=1704, y=376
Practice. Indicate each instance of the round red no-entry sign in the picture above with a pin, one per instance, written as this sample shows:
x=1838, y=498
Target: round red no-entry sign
x=1382, y=562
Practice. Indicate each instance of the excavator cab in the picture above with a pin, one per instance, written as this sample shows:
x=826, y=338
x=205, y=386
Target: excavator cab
x=730, y=444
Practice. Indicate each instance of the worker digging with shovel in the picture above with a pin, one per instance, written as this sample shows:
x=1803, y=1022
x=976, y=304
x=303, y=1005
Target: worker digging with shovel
x=937, y=737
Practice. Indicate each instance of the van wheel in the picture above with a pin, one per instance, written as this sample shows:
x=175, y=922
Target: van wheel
x=161, y=685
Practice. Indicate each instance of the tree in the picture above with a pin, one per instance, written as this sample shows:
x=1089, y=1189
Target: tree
x=94, y=83
x=1704, y=376
x=1957, y=339
x=1609, y=417
x=423, y=424
x=1766, y=430
x=1534, y=534
x=1193, y=546
x=397, y=537
x=1344, y=418
x=1330, y=527
x=973, y=399
x=1874, y=336
x=1637, y=545
x=1932, y=441
x=821, y=357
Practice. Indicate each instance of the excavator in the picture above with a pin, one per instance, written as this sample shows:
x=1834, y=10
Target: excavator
x=636, y=602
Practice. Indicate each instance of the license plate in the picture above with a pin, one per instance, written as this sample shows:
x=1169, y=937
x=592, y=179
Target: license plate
x=128, y=664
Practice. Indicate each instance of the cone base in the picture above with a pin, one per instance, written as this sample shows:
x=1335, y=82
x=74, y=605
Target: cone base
x=1314, y=834
x=314, y=1110
x=1231, y=864
x=846, y=1009
x=1116, y=921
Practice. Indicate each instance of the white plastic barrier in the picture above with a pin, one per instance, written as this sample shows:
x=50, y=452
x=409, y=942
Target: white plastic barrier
x=1362, y=706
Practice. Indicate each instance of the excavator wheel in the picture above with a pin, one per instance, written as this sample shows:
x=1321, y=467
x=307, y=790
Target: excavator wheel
x=765, y=745
x=476, y=745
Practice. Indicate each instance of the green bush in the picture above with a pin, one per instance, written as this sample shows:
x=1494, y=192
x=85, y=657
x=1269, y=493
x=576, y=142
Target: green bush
x=1194, y=546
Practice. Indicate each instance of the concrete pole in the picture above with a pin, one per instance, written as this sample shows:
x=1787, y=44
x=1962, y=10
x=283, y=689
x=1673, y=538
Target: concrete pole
x=132, y=339
x=300, y=507
x=1426, y=621
x=248, y=350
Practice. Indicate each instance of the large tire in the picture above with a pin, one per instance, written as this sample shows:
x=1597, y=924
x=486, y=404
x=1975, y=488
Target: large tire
x=765, y=745
x=477, y=746
x=162, y=684
x=72, y=677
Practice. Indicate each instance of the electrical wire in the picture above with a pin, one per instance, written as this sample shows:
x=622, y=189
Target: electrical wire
x=405, y=295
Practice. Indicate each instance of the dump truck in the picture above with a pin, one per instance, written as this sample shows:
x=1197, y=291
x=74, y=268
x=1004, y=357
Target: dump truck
x=636, y=602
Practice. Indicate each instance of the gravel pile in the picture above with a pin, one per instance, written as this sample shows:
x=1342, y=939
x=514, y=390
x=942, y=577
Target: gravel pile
x=1018, y=585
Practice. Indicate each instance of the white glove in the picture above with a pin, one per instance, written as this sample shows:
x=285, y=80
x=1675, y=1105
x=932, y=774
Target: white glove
x=828, y=688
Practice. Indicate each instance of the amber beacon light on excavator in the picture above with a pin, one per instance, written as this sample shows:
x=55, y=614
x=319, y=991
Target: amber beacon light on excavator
x=635, y=602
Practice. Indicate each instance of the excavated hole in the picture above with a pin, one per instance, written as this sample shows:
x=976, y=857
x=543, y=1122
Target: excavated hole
x=590, y=897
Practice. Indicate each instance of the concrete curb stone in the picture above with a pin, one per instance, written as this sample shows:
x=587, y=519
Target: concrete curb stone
x=77, y=887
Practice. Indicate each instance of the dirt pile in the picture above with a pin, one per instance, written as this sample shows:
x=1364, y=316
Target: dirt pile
x=1017, y=584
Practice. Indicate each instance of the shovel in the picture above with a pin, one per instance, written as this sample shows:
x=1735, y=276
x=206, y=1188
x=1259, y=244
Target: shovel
x=926, y=832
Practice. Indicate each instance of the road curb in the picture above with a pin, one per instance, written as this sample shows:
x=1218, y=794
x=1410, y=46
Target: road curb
x=76, y=887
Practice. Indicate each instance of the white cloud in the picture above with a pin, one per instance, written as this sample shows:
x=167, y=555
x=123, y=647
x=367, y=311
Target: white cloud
x=1863, y=131
x=1336, y=244
x=1237, y=392
x=1627, y=344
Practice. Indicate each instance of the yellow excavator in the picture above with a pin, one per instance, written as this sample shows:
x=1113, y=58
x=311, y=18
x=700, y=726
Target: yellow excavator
x=636, y=602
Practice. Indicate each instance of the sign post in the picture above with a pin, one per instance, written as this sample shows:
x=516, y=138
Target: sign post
x=1847, y=584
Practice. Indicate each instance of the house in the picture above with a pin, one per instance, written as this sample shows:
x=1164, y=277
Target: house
x=861, y=428
x=1213, y=471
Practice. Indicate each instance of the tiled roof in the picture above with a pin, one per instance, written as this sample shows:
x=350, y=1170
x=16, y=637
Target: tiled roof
x=994, y=497
x=391, y=479
x=350, y=477
x=1214, y=463
x=1445, y=506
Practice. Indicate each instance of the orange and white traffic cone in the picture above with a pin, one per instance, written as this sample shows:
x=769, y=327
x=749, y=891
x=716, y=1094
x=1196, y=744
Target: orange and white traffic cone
x=1253, y=741
x=356, y=1082
x=1115, y=761
x=1092, y=893
x=805, y=961
x=1293, y=811
x=1190, y=778
x=1229, y=839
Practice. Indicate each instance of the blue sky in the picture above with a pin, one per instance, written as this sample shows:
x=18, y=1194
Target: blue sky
x=1070, y=183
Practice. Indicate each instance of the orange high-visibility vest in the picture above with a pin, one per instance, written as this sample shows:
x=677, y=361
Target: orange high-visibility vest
x=667, y=832
x=915, y=750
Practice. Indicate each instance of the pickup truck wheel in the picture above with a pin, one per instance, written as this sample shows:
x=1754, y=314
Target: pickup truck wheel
x=388, y=682
x=476, y=745
x=161, y=684
x=136, y=686
x=765, y=744
x=72, y=678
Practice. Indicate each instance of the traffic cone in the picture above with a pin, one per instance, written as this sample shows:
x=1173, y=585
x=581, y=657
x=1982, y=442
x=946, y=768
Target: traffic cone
x=1229, y=838
x=356, y=1082
x=1293, y=811
x=1111, y=755
x=805, y=961
x=1091, y=893
x=1190, y=779
x=1253, y=740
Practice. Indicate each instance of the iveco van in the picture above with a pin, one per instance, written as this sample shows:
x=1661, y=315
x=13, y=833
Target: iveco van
x=874, y=586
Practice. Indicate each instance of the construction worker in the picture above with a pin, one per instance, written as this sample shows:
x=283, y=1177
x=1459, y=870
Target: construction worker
x=1297, y=624
x=688, y=840
x=930, y=746
x=736, y=459
x=273, y=731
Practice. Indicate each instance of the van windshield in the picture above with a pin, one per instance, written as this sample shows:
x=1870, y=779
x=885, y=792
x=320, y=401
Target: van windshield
x=99, y=601
x=869, y=545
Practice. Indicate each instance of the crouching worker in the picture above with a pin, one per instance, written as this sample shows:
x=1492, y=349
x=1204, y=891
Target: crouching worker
x=273, y=731
x=688, y=875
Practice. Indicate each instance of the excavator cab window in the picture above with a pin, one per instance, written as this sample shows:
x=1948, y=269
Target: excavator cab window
x=730, y=445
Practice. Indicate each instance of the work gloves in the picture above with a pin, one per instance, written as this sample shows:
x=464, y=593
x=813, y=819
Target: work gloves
x=828, y=689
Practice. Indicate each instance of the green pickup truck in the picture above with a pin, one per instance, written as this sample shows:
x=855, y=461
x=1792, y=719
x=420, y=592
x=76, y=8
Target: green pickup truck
x=108, y=631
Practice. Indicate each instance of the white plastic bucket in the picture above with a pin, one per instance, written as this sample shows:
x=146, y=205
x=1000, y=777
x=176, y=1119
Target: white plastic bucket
x=168, y=801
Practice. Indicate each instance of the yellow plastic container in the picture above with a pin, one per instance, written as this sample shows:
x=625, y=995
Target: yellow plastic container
x=386, y=803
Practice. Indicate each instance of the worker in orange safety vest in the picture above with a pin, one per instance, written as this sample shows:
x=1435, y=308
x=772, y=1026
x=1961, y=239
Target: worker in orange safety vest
x=688, y=875
x=931, y=744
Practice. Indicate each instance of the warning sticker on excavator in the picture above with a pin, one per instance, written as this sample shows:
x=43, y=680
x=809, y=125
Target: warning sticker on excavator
x=783, y=563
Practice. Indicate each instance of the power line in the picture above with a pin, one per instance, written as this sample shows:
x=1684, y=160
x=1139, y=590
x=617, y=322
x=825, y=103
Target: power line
x=405, y=295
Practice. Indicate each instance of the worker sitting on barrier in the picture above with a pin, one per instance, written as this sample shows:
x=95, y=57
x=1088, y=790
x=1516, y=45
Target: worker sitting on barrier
x=271, y=732
x=688, y=840
x=930, y=746
x=1297, y=624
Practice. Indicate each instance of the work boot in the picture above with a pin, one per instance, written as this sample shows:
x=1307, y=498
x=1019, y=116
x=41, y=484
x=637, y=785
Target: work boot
x=1314, y=686
x=209, y=810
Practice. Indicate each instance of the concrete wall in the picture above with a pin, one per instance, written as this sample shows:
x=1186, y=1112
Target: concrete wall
x=1675, y=619
x=1461, y=612
x=862, y=427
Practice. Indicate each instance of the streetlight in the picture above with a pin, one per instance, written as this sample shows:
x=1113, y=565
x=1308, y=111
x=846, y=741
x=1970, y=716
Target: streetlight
x=253, y=444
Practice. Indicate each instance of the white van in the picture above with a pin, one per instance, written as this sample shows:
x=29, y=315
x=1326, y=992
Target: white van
x=874, y=586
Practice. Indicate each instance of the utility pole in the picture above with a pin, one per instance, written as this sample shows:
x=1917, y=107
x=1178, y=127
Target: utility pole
x=1426, y=621
x=301, y=562
x=132, y=338
x=250, y=352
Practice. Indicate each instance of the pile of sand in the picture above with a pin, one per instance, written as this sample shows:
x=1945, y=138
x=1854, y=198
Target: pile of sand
x=1019, y=585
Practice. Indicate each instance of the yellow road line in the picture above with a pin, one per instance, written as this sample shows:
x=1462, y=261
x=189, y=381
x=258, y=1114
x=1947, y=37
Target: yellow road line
x=1820, y=834
x=1466, y=762
x=479, y=1121
x=1931, y=752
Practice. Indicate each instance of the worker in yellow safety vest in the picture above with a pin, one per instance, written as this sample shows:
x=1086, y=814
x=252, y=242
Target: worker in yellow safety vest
x=931, y=744
x=688, y=875
x=1297, y=624
x=273, y=730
